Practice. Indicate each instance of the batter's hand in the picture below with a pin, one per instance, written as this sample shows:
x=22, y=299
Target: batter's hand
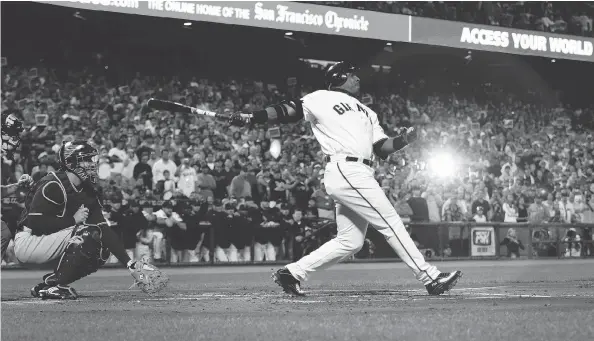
x=240, y=119
x=25, y=181
x=410, y=134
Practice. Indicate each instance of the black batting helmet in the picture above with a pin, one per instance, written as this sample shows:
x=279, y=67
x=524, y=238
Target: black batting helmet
x=12, y=127
x=337, y=74
x=80, y=158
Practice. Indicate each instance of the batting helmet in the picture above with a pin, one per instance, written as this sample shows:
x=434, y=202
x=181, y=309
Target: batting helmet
x=337, y=74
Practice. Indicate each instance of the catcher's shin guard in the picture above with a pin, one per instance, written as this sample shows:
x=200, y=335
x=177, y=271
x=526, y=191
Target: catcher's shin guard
x=84, y=255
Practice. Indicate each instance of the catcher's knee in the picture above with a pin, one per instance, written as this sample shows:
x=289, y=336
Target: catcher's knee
x=83, y=256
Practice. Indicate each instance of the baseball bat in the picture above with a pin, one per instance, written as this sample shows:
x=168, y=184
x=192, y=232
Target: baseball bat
x=159, y=104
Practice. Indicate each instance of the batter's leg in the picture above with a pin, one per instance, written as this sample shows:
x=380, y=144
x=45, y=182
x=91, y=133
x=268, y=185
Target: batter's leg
x=351, y=229
x=361, y=192
x=6, y=235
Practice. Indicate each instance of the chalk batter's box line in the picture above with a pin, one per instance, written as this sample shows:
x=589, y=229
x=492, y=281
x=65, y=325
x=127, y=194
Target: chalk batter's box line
x=464, y=293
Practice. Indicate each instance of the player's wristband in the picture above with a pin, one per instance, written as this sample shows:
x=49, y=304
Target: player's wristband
x=399, y=142
x=260, y=116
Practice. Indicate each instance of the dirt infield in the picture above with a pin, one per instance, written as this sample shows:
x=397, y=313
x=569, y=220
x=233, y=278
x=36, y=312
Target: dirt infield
x=495, y=300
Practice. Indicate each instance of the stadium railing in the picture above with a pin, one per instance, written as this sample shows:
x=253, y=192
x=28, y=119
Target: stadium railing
x=472, y=241
x=439, y=241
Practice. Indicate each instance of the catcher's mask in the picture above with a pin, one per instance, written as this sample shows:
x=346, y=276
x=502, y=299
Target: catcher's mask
x=80, y=158
x=12, y=127
x=337, y=74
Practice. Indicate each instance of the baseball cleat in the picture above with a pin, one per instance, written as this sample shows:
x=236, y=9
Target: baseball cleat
x=35, y=291
x=59, y=292
x=46, y=284
x=290, y=284
x=444, y=282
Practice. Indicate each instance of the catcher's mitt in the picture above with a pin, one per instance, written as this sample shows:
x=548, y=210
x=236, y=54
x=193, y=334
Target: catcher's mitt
x=148, y=277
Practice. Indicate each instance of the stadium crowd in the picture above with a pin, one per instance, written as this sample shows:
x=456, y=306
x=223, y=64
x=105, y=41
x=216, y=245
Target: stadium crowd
x=166, y=177
x=573, y=18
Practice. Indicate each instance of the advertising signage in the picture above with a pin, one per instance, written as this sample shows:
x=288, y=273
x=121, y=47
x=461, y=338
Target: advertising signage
x=288, y=16
x=305, y=17
x=501, y=39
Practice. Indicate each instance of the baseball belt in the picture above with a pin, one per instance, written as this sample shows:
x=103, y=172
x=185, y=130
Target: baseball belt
x=367, y=162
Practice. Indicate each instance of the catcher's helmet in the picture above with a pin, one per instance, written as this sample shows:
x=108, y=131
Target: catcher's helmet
x=337, y=74
x=80, y=158
x=12, y=127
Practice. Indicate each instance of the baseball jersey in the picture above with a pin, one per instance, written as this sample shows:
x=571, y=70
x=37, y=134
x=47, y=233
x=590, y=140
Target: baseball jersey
x=54, y=203
x=341, y=124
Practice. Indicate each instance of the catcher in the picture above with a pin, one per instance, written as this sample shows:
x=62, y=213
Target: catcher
x=62, y=225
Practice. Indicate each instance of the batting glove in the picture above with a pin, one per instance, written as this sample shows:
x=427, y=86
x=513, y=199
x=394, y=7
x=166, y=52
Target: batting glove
x=240, y=119
x=409, y=134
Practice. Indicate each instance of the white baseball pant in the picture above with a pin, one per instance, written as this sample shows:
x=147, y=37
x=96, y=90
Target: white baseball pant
x=264, y=252
x=361, y=201
x=32, y=249
x=229, y=254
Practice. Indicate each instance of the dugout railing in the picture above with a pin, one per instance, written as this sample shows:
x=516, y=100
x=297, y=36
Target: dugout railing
x=438, y=241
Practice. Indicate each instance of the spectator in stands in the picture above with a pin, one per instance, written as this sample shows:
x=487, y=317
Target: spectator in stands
x=187, y=177
x=403, y=208
x=163, y=164
x=418, y=206
x=512, y=243
x=277, y=186
x=311, y=212
x=434, y=204
x=572, y=243
x=129, y=164
x=537, y=211
x=481, y=201
x=166, y=186
x=324, y=203
x=522, y=210
x=240, y=187
x=479, y=216
x=143, y=173
x=220, y=175
x=118, y=155
x=452, y=210
x=206, y=184
x=566, y=209
x=510, y=209
x=300, y=191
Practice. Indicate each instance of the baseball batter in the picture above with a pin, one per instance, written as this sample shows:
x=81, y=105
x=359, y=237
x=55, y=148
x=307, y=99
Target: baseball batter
x=349, y=134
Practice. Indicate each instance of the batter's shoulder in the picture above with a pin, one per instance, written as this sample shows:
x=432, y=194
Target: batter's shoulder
x=315, y=95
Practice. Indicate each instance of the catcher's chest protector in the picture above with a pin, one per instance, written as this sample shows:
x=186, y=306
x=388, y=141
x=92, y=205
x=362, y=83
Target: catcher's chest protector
x=74, y=198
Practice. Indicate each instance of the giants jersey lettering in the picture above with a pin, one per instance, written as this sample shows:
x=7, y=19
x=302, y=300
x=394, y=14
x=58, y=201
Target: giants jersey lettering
x=341, y=124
